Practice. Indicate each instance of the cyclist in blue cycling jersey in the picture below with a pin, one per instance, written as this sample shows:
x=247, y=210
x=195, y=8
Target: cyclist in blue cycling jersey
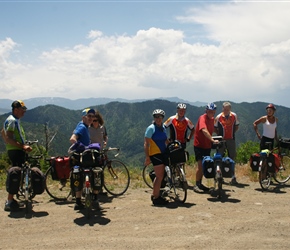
x=155, y=151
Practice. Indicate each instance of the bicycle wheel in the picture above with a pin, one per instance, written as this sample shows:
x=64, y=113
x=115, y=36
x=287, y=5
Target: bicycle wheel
x=264, y=177
x=57, y=189
x=179, y=185
x=283, y=174
x=147, y=170
x=220, y=185
x=116, y=177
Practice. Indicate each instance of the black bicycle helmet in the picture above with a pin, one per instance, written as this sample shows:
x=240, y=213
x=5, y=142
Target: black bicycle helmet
x=271, y=106
x=181, y=106
x=158, y=112
x=211, y=106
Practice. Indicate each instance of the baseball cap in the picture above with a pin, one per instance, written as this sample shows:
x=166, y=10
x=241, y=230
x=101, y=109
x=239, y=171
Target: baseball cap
x=88, y=111
x=18, y=104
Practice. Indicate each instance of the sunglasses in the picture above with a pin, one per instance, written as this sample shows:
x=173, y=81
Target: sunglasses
x=158, y=116
x=95, y=121
x=90, y=116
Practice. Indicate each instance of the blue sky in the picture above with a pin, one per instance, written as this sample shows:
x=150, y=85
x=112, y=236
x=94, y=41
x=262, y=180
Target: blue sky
x=195, y=50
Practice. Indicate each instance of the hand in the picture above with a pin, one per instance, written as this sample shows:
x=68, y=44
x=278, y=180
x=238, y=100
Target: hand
x=147, y=161
x=27, y=148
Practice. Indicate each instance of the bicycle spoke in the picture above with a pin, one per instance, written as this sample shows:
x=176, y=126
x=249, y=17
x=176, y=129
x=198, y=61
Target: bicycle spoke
x=116, y=177
x=147, y=170
x=283, y=174
x=57, y=189
x=179, y=185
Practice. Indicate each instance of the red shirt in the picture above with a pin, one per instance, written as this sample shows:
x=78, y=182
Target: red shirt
x=200, y=140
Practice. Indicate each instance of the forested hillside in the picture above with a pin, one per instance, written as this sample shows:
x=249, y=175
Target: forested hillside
x=126, y=124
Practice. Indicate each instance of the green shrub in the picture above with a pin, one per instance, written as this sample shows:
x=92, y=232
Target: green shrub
x=245, y=150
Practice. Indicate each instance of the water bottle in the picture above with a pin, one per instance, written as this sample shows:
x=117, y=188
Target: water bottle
x=167, y=169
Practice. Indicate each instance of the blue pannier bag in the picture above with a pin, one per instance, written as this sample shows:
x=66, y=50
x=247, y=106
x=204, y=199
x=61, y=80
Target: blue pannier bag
x=208, y=167
x=228, y=166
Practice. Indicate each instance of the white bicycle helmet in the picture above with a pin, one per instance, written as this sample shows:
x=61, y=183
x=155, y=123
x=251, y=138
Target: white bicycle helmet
x=181, y=106
x=211, y=106
x=158, y=112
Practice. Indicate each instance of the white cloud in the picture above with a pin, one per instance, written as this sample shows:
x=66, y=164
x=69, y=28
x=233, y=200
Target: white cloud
x=249, y=63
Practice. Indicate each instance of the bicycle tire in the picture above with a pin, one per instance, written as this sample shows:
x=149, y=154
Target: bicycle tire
x=56, y=189
x=264, y=177
x=179, y=184
x=220, y=186
x=145, y=174
x=283, y=174
x=116, y=177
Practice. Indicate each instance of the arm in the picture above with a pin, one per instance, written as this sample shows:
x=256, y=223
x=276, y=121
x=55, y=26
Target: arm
x=73, y=139
x=208, y=135
x=9, y=139
x=146, y=150
x=255, y=124
x=191, y=134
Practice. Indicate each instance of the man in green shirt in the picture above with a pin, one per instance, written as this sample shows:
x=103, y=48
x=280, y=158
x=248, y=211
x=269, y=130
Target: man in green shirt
x=14, y=137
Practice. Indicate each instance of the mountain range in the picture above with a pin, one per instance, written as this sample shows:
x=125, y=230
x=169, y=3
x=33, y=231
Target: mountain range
x=5, y=104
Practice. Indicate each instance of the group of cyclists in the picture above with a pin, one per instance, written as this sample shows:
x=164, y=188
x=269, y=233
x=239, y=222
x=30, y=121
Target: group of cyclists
x=225, y=124
x=91, y=129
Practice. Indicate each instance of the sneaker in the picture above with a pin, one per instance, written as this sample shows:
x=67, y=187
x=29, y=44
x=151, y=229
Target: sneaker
x=197, y=189
x=79, y=206
x=13, y=206
x=234, y=181
x=159, y=201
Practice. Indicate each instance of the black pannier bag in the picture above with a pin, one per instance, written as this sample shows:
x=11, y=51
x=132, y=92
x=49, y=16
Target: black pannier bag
x=13, y=180
x=37, y=181
x=284, y=143
x=255, y=161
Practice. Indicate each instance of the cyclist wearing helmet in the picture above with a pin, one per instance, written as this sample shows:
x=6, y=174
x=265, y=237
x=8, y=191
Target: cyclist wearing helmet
x=203, y=142
x=155, y=146
x=269, y=122
x=179, y=124
x=226, y=124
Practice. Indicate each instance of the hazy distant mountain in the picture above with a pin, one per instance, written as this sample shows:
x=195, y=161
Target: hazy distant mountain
x=5, y=104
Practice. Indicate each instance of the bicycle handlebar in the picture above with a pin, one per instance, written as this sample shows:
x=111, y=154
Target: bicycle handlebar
x=31, y=142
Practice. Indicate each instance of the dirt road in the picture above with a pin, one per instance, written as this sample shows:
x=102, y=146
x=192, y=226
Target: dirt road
x=246, y=218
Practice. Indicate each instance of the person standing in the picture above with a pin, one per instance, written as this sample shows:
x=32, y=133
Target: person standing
x=14, y=137
x=203, y=143
x=155, y=142
x=226, y=125
x=269, y=122
x=179, y=125
x=98, y=132
x=81, y=134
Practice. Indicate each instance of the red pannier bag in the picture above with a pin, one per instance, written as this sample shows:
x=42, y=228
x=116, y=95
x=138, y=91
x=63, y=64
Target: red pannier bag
x=60, y=167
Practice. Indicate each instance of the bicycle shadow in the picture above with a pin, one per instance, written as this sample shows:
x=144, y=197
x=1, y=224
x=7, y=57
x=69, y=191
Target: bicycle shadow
x=21, y=212
x=237, y=185
x=274, y=188
x=225, y=197
x=173, y=204
x=97, y=216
